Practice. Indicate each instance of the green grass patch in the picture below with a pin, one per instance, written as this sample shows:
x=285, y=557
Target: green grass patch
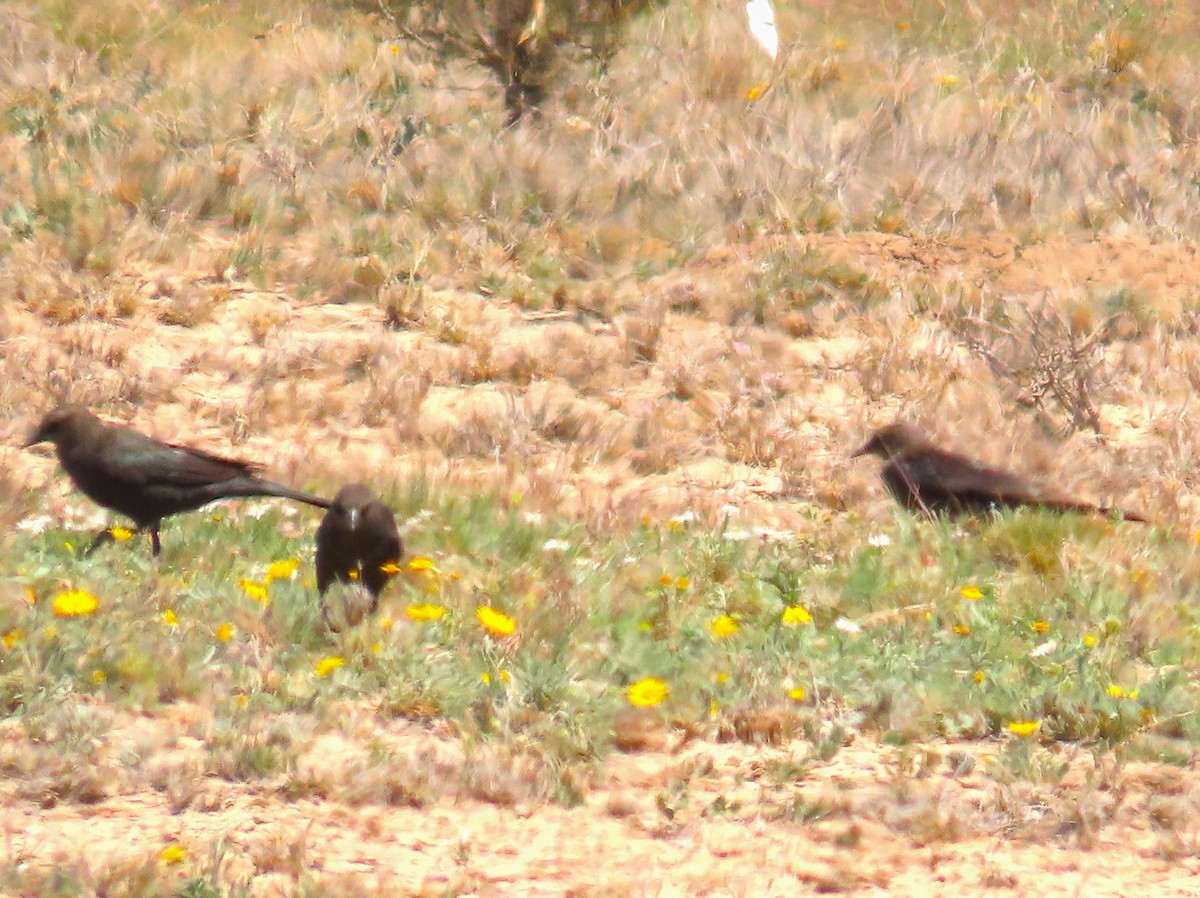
x=931, y=633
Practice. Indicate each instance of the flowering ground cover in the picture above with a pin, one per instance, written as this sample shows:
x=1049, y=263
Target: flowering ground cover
x=608, y=368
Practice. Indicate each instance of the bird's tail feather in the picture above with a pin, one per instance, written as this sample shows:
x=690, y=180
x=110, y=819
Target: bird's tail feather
x=257, y=487
x=1106, y=511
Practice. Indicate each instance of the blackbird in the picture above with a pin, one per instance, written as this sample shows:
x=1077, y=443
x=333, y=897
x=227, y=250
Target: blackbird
x=933, y=481
x=358, y=541
x=143, y=478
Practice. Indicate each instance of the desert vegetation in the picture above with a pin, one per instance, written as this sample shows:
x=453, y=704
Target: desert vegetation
x=607, y=360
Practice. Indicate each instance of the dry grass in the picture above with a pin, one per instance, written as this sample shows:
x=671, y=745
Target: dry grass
x=272, y=231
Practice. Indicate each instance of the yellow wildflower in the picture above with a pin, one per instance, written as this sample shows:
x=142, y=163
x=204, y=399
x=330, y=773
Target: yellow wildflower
x=425, y=612
x=797, y=693
x=648, y=692
x=902, y=25
x=1024, y=727
x=386, y=624
x=722, y=677
x=376, y=647
x=962, y=629
x=665, y=580
x=75, y=603
x=645, y=626
x=326, y=666
x=173, y=854
x=120, y=534
x=99, y=676
x=979, y=676
x=757, y=91
x=722, y=627
x=1040, y=626
x=30, y=596
x=972, y=593
x=12, y=637
x=795, y=615
x=224, y=632
x=170, y=619
x=390, y=567
x=948, y=81
x=50, y=633
x=839, y=43
x=1089, y=640
x=486, y=678
x=495, y=622
x=255, y=590
x=281, y=570
x=714, y=710
x=421, y=563
x=682, y=583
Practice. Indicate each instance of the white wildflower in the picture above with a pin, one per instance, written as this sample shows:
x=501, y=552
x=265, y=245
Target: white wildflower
x=847, y=626
x=1041, y=651
x=39, y=524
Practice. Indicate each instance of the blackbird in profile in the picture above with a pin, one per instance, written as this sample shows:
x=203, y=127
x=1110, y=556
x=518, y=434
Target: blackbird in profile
x=932, y=481
x=357, y=541
x=143, y=478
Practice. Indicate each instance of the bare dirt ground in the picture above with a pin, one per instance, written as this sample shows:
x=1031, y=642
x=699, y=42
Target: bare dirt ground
x=597, y=428
x=873, y=820
x=861, y=823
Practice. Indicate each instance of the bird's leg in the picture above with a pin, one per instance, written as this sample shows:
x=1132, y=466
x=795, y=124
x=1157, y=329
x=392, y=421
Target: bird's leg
x=912, y=491
x=103, y=538
x=155, y=542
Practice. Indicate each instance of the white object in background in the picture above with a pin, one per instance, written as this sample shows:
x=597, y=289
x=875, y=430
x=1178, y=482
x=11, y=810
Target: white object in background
x=762, y=25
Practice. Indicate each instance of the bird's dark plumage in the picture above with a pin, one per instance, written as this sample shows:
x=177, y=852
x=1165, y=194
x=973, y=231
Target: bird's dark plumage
x=356, y=540
x=932, y=481
x=143, y=478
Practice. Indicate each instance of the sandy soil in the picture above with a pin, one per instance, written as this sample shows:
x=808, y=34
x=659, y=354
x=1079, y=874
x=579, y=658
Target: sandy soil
x=873, y=820
x=551, y=406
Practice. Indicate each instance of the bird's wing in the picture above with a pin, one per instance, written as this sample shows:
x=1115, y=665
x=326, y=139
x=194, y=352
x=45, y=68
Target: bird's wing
x=231, y=464
x=136, y=458
x=952, y=473
x=380, y=521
